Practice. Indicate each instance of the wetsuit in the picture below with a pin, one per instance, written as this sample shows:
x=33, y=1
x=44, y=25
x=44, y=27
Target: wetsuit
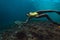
x=47, y=11
x=41, y=14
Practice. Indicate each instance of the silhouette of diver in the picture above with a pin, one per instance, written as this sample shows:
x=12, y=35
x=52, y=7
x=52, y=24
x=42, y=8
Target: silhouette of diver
x=40, y=14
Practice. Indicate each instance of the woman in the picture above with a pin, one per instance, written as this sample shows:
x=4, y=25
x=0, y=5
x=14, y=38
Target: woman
x=40, y=14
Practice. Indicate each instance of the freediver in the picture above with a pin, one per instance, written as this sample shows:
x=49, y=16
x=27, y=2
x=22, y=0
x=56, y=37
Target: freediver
x=40, y=14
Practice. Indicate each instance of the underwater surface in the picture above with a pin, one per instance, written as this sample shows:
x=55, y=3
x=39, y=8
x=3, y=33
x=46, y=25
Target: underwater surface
x=12, y=10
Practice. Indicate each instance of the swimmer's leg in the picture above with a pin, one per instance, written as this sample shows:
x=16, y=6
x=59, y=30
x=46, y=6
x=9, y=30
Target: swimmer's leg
x=45, y=15
x=46, y=11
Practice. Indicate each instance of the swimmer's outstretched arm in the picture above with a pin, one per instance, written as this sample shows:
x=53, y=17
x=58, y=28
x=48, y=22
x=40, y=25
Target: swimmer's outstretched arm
x=27, y=20
x=46, y=11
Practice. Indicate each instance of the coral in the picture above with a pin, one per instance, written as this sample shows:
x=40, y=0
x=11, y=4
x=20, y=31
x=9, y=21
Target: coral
x=34, y=30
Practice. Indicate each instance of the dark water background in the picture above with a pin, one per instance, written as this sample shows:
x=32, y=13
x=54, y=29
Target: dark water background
x=12, y=10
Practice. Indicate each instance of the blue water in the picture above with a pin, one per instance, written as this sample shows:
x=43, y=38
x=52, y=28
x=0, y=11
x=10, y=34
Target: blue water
x=12, y=10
